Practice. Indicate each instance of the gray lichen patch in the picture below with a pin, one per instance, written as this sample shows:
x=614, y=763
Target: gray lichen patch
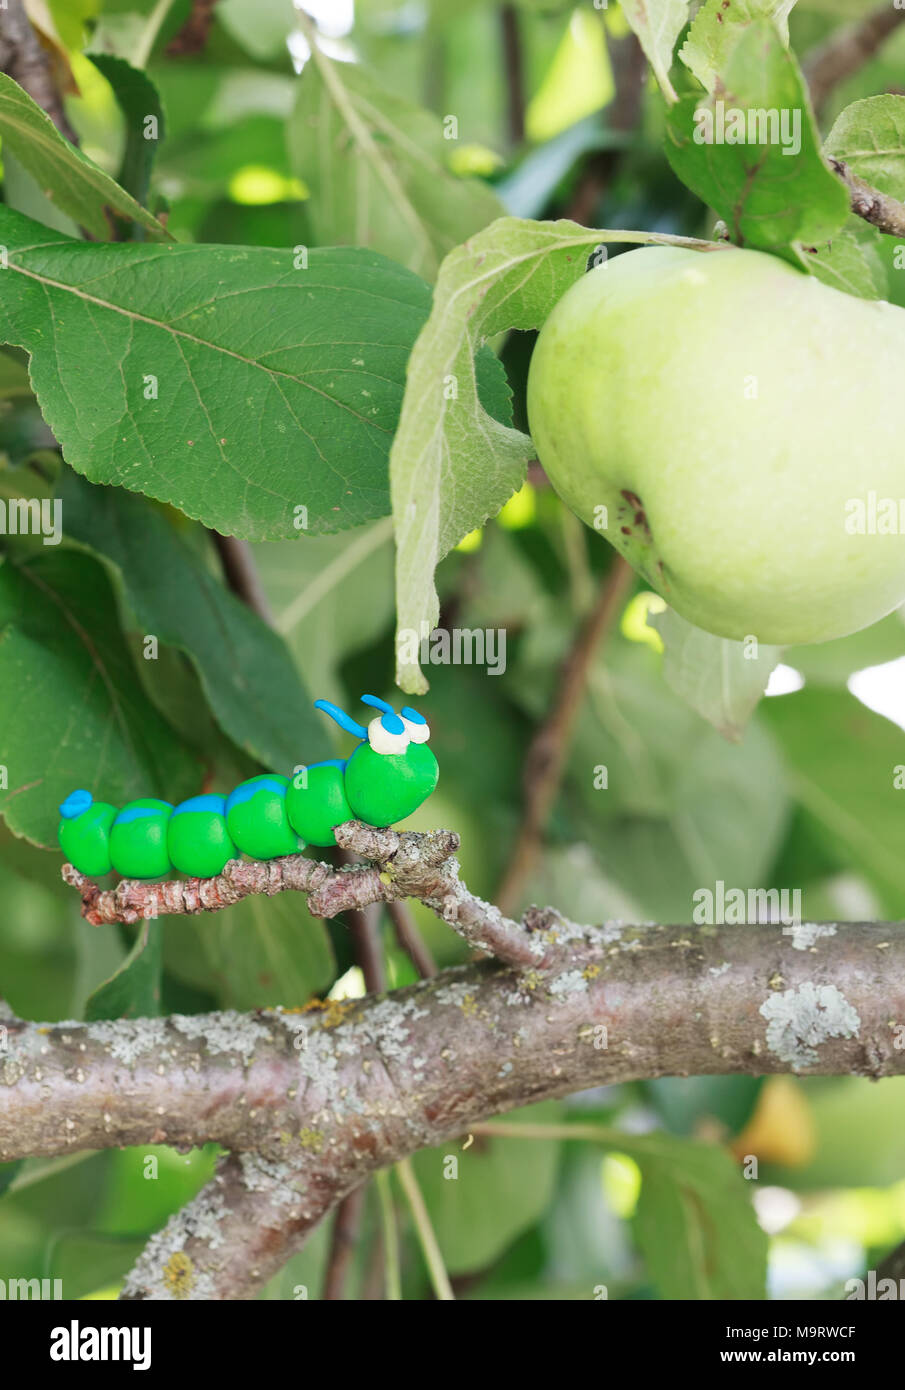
x=386, y=1025
x=806, y=934
x=569, y=983
x=270, y=1178
x=222, y=1032
x=454, y=994
x=163, y=1272
x=799, y=1020
x=128, y=1039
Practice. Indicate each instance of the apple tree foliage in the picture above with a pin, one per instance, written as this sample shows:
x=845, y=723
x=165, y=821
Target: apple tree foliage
x=292, y=302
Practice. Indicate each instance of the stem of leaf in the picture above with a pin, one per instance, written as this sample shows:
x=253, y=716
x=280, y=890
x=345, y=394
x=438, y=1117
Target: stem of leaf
x=390, y=1236
x=149, y=33
x=425, y=1232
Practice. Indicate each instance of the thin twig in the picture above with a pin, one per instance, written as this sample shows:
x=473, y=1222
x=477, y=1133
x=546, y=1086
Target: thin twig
x=363, y=924
x=623, y=114
x=411, y=940
x=546, y=755
x=407, y=865
x=364, y=929
x=847, y=50
x=892, y=1266
x=26, y=62
x=513, y=65
x=390, y=1236
x=882, y=211
x=427, y=1239
x=192, y=37
x=150, y=33
x=241, y=574
x=343, y=1240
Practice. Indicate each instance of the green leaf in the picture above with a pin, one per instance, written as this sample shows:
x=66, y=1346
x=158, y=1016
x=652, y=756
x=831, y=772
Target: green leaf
x=716, y=29
x=851, y=797
x=7, y=1172
x=869, y=136
x=138, y=100
x=770, y=200
x=260, y=26
x=528, y=187
x=377, y=168
x=75, y=714
x=720, y=679
x=683, y=807
x=332, y=596
x=248, y=676
x=278, y=388
x=501, y=1187
x=657, y=24
x=134, y=990
x=848, y=263
x=695, y=1222
x=69, y=178
x=256, y=954
x=452, y=465
x=687, y=1101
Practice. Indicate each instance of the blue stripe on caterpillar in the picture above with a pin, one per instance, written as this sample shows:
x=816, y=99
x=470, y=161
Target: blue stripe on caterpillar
x=388, y=776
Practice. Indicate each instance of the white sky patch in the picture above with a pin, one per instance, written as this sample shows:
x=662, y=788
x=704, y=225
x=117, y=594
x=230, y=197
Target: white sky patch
x=775, y=1207
x=882, y=689
x=334, y=20
x=784, y=680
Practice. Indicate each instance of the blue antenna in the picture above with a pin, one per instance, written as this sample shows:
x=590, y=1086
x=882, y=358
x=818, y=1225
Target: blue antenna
x=377, y=703
x=345, y=721
x=412, y=715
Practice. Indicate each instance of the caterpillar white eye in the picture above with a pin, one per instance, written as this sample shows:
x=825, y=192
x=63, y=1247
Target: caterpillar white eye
x=388, y=740
x=418, y=733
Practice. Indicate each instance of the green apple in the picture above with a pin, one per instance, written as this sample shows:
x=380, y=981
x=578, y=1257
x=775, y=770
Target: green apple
x=737, y=430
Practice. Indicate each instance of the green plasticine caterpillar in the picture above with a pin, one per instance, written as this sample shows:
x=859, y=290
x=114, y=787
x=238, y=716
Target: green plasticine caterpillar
x=387, y=777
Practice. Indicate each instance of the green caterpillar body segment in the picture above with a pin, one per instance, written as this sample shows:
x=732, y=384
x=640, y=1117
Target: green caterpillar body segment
x=388, y=776
x=256, y=818
x=85, y=833
x=390, y=785
x=198, y=840
x=316, y=801
x=138, y=839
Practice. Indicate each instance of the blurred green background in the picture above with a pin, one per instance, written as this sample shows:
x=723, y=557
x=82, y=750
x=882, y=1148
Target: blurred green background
x=806, y=799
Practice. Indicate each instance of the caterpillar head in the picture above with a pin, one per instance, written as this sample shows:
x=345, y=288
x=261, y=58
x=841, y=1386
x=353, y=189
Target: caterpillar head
x=392, y=771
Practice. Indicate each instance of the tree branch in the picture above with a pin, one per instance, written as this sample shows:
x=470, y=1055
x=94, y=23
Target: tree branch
x=241, y=574
x=192, y=37
x=26, y=62
x=411, y=940
x=406, y=865
x=847, y=50
x=513, y=67
x=875, y=207
x=312, y=1102
x=364, y=928
x=550, y=744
